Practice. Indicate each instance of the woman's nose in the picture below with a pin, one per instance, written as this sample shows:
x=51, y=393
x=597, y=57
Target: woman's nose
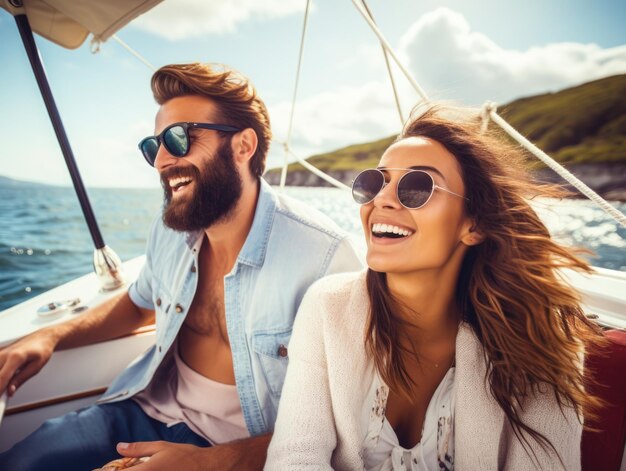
x=387, y=197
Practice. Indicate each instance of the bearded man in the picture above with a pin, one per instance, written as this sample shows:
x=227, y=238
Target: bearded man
x=226, y=267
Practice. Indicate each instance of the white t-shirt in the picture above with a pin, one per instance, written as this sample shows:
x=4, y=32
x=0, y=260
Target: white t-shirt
x=210, y=409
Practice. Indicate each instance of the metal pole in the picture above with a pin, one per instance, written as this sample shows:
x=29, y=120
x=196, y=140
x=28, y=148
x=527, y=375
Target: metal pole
x=35, y=62
x=106, y=263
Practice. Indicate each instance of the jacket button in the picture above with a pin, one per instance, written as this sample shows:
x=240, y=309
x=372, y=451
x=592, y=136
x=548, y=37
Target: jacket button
x=193, y=269
x=282, y=351
x=159, y=348
x=158, y=301
x=179, y=308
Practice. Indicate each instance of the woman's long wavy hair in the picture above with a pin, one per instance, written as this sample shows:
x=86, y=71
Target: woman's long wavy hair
x=509, y=290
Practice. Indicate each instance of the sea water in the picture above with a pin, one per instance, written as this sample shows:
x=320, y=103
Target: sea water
x=44, y=240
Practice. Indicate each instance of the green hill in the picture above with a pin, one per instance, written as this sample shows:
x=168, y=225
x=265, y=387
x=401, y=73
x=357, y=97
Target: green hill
x=580, y=125
x=584, y=124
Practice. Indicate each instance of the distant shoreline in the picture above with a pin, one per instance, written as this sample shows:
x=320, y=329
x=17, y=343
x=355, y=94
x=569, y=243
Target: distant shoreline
x=606, y=179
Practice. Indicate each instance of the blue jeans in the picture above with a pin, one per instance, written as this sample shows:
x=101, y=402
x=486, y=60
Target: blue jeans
x=86, y=439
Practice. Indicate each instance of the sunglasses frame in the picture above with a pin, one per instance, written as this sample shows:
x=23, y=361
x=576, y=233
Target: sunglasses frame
x=408, y=171
x=186, y=126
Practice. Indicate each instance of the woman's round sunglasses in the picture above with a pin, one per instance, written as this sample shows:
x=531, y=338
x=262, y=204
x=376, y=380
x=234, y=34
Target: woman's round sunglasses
x=175, y=138
x=414, y=188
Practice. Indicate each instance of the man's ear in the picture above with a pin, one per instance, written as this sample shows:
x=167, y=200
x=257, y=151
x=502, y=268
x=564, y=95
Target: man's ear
x=244, y=145
x=473, y=236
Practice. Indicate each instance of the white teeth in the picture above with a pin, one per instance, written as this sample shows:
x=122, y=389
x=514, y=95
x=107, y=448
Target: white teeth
x=388, y=228
x=179, y=181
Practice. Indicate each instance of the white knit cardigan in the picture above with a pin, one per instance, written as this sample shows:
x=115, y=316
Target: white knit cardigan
x=320, y=426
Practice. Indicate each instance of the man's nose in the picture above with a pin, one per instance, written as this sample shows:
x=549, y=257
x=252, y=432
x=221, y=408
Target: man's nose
x=164, y=159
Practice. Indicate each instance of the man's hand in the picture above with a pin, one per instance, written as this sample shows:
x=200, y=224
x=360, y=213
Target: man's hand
x=165, y=455
x=115, y=317
x=24, y=358
x=248, y=454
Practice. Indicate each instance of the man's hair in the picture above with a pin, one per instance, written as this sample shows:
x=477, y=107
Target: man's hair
x=237, y=101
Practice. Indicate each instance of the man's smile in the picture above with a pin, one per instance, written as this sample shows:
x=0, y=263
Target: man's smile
x=177, y=183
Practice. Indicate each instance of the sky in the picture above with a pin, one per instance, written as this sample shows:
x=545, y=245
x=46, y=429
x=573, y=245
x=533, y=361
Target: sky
x=470, y=51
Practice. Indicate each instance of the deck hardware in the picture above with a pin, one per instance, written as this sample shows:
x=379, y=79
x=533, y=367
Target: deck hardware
x=108, y=268
x=57, y=307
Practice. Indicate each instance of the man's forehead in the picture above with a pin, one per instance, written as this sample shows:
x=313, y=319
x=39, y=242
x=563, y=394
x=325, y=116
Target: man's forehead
x=191, y=108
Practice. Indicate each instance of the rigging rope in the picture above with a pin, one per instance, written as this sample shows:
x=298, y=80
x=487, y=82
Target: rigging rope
x=133, y=52
x=393, y=82
x=389, y=49
x=490, y=111
x=312, y=168
x=283, y=174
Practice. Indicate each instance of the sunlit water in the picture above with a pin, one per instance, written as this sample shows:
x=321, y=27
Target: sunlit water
x=44, y=240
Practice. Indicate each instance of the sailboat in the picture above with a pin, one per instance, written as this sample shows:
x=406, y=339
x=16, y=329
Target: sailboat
x=75, y=378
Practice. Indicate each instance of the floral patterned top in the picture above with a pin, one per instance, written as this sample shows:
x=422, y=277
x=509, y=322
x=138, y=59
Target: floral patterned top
x=435, y=451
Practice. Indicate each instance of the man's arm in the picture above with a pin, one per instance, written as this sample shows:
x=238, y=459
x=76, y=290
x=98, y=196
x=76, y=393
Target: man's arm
x=248, y=454
x=24, y=358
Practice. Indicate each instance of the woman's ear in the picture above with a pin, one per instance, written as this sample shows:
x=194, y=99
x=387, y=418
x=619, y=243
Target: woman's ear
x=244, y=145
x=473, y=236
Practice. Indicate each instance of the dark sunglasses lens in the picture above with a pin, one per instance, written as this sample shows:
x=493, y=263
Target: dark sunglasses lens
x=176, y=142
x=149, y=148
x=366, y=186
x=414, y=189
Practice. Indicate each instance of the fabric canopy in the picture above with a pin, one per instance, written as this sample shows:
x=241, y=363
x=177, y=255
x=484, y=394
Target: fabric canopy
x=69, y=22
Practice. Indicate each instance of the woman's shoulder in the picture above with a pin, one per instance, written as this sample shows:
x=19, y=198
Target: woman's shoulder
x=336, y=299
x=339, y=286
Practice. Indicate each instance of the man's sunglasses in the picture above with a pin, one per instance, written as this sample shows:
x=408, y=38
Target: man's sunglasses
x=414, y=188
x=175, y=139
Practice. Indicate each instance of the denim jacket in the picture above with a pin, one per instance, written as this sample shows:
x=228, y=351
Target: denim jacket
x=289, y=246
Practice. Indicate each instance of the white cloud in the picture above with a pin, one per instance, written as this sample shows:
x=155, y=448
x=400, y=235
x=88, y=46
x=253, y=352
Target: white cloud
x=452, y=61
x=183, y=19
x=335, y=118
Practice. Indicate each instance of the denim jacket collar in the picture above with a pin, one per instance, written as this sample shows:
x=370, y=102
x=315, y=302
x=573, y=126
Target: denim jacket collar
x=253, y=251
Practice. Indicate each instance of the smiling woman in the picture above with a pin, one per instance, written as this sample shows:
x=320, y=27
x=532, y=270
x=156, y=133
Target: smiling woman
x=463, y=316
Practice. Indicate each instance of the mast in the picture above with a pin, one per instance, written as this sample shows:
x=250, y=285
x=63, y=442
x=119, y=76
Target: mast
x=107, y=264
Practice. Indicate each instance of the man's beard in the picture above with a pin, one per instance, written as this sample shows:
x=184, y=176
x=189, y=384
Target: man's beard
x=217, y=189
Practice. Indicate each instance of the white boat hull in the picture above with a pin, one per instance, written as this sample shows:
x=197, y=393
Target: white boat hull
x=72, y=378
